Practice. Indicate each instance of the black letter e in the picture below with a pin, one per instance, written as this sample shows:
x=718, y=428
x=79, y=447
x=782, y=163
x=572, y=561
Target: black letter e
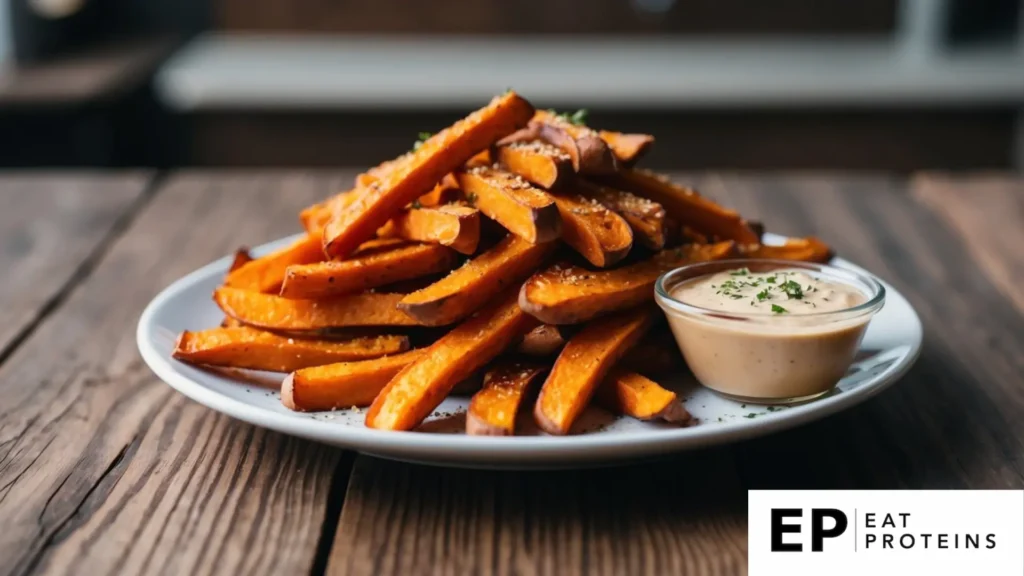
x=778, y=529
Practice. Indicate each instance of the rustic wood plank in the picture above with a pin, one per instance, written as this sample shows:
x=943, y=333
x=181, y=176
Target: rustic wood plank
x=52, y=229
x=955, y=422
x=988, y=213
x=103, y=469
x=686, y=516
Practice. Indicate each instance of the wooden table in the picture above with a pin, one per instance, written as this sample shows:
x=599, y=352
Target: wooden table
x=104, y=469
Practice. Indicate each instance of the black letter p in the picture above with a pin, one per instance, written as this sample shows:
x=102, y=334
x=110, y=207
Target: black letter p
x=818, y=532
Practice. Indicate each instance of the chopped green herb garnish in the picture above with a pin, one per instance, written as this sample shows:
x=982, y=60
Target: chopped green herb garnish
x=770, y=279
x=579, y=117
x=778, y=309
x=751, y=415
x=763, y=295
x=740, y=272
x=423, y=137
x=792, y=289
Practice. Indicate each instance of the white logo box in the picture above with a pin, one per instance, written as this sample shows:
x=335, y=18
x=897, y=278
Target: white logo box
x=927, y=532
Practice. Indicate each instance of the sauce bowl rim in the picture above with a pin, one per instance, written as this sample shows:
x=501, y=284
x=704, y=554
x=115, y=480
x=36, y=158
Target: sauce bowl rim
x=875, y=297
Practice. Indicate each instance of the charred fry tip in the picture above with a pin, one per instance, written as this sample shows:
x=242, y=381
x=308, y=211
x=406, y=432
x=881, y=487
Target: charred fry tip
x=675, y=413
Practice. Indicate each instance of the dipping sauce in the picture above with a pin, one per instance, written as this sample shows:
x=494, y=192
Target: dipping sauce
x=782, y=292
x=767, y=335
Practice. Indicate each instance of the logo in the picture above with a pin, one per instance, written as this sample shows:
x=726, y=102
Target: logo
x=886, y=532
x=818, y=530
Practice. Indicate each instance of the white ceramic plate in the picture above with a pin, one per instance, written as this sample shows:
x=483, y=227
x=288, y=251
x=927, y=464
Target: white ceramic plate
x=890, y=346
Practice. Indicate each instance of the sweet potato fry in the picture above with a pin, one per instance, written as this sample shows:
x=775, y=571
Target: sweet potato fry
x=343, y=384
x=422, y=385
x=645, y=216
x=492, y=411
x=449, y=225
x=505, y=197
x=445, y=192
x=686, y=206
x=583, y=364
x=276, y=313
x=600, y=235
x=378, y=245
x=468, y=288
x=629, y=393
x=439, y=155
x=544, y=340
x=242, y=257
x=536, y=161
x=245, y=347
x=315, y=217
x=627, y=148
x=265, y=274
x=362, y=272
x=587, y=151
x=566, y=294
x=808, y=249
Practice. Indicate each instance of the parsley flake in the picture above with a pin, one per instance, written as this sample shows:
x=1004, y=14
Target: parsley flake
x=778, y=309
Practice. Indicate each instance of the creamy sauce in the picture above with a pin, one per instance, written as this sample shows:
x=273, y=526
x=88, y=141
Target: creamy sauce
x=781, y=292
x=764, y=339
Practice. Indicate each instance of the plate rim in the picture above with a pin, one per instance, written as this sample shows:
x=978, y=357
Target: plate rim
x=463, y=449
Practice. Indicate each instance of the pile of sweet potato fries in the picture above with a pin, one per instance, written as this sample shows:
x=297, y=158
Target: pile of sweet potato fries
x=514, y=248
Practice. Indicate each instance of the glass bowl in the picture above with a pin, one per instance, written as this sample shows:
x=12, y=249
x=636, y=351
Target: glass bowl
x=763, y=357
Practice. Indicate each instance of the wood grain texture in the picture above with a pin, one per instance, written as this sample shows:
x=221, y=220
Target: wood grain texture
x=103, y=469
x=52, y=230
x=988, y=214
x=685, y=516
x=956, y=421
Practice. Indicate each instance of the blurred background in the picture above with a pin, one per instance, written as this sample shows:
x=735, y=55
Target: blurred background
x=895, y=85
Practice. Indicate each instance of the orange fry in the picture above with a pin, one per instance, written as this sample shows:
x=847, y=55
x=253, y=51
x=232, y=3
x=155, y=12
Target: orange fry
x=449, y=225
x=505, y=197
x=537, y=161
x=265, y=274
x=442, y=153
x=469, y=287
x=422, y=385
x=600, y=235
x=808, y=249
x=584, y=362
x=492, y=411
x=565, y=294
x=686, y=206
x=634, y=395
x=646, y=217
x=362, y=272
x=627, y=148
x=276, y=313
x=587, y=151
x=343, y=384
x=245, y=347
